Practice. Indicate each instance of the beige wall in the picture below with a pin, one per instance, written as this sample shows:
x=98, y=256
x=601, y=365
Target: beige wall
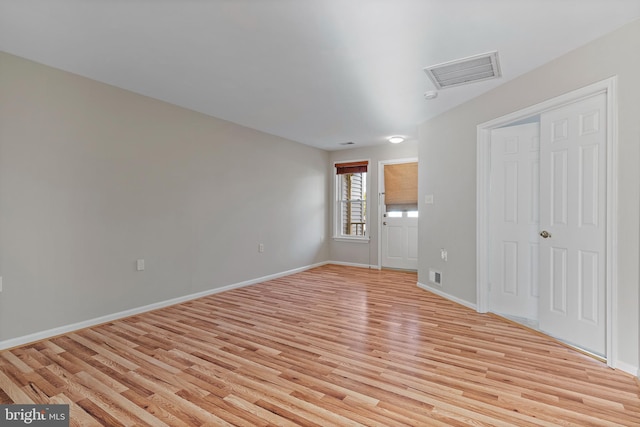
x=358, y=252
x=448, y=169
x=93, y=177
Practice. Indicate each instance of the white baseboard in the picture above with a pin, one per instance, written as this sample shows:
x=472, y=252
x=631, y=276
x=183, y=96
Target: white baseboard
x=626, y=367
x=37, y=336
x=352, y=264
x=447, y=296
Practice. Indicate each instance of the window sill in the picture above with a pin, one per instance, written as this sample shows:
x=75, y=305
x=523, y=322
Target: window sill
x=351, y=239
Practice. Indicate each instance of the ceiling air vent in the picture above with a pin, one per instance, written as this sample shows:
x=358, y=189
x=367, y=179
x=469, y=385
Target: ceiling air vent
x=466, y=70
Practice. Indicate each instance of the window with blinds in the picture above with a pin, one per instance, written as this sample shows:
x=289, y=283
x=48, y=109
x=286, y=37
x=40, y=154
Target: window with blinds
x=351, y=206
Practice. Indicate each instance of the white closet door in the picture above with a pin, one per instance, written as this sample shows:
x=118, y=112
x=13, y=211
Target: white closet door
x=572, y=216
x=514, y=221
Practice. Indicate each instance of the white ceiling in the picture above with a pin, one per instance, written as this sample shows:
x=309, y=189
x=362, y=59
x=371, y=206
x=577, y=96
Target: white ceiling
x=319, y=72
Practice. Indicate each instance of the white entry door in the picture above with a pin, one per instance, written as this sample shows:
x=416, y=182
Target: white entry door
x=398, y=184
x=400, y=239
x=515, y=152
x=572, y=223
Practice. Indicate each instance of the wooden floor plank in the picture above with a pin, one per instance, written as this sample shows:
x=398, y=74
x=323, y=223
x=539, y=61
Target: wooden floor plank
x=331, y=346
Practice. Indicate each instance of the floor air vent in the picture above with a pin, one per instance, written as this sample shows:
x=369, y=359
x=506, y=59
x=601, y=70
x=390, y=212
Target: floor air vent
x=463, y=71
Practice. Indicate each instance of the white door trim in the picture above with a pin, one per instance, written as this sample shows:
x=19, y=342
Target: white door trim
x=381, y=164
x=609, y=87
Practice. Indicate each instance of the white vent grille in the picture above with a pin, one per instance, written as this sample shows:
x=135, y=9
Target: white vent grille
x=435, y=277
x=463, y=71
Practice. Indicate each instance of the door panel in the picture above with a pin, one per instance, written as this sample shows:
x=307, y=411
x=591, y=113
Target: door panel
x=399, y=240
x=559, y=181
x=589, y=264
x=514, y=224
x=572, y=210
x=558, y=282
x=395, y=239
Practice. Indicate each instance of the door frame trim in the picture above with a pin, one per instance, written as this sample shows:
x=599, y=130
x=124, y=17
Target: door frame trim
x=609, y=87
x=381, y=164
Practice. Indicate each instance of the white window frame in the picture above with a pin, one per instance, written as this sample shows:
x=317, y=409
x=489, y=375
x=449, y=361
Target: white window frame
x=337, y=204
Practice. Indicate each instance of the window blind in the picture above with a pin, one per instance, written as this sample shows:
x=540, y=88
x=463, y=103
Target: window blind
x=401, y=186
x=351, y=167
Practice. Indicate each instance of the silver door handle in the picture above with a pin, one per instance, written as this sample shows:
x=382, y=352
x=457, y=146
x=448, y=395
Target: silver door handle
x=545, y=234
x=384, y=223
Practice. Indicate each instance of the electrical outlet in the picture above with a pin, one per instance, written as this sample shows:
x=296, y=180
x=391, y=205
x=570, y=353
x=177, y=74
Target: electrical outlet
x=260, y=247
x=443, y=254
x=140, y=265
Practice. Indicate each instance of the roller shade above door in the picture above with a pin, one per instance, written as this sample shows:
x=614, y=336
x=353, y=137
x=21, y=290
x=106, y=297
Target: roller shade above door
x=401, y=187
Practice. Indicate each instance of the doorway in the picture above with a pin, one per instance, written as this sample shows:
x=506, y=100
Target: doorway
x=576, y=309
x=398, y=213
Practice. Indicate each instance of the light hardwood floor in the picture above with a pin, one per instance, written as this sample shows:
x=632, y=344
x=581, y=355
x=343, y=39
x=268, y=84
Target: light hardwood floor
x=330, y=346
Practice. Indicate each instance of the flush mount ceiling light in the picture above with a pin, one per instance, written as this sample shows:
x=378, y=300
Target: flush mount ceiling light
x=466, y=70
x=395, y=139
